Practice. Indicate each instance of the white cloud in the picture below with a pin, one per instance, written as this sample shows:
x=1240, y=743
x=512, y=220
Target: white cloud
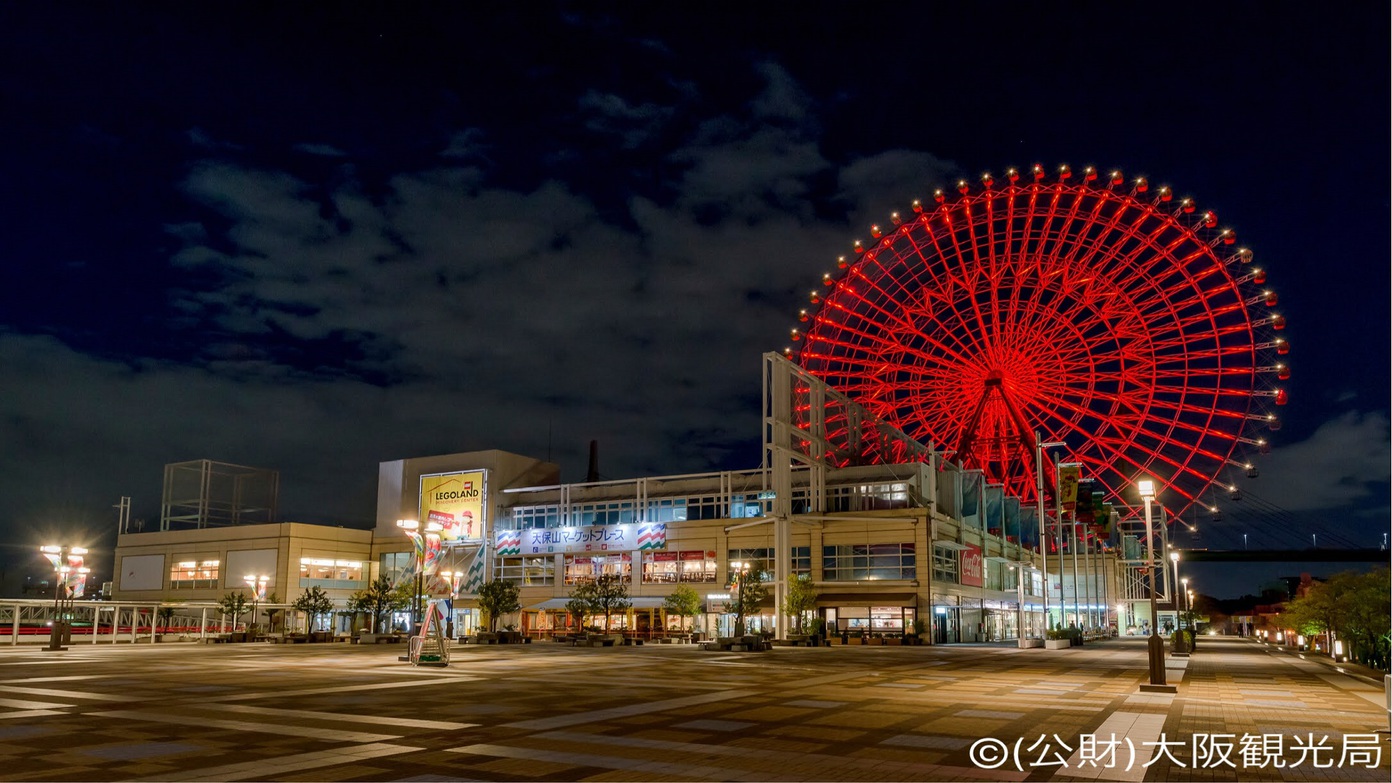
x=1344, y=463
x=321, y=150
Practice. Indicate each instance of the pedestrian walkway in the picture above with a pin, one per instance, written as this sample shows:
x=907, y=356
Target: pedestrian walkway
x=545, y=712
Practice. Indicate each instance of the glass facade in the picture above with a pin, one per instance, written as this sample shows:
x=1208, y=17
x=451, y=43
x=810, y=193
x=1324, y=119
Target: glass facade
x=855, y=562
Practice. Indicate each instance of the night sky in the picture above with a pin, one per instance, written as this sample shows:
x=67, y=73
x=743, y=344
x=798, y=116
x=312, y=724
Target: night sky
x=312, y=237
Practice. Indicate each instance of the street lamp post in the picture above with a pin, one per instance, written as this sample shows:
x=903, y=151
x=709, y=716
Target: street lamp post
x=412, y=528
x=1155, y=646
x=740, y=568
x=66, y=560
x=258, y=591
x=1174, y=561
x=1043, y=520
x=453, y=579
x=1020, y=571
x=1181, y=641
x=1188, y=604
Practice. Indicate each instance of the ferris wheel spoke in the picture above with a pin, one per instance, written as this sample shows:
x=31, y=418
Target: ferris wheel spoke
x=1120, y=452
x=895, y=317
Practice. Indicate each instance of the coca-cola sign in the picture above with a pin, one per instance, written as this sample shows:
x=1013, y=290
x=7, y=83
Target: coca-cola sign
x=972, y=564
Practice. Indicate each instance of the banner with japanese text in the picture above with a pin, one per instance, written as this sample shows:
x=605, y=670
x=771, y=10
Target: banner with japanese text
x=594, y=538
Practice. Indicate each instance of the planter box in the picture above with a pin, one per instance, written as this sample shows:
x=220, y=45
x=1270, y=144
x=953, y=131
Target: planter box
x=1028, y=643
x=1058, y=644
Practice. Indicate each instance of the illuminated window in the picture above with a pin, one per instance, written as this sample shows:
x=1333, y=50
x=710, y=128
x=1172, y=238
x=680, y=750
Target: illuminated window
x=329, y=569
x=801, y=559
x=590, y=566
x=528, y=570
x=853, y=562
x=191, y=574
x=671, y=567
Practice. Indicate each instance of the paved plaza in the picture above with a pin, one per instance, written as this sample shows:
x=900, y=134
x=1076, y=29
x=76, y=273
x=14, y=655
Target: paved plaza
x=548, y=712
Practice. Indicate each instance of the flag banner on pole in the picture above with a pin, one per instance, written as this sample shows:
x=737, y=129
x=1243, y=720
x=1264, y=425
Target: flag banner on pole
x=994, y=507
x=1012, y=519
x=473, y=578
x=1083, y=510
x=1029, y=526
x=970, y=489
x=1068, y=485
x=652, y=537
x=433, y=550
x=509, y=542
x=408, y=573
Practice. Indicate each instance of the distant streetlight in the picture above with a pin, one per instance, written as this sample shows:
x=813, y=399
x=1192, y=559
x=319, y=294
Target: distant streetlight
x=1174, y=558
x=1189, y=604
x=66, y=560
x=1155, y=646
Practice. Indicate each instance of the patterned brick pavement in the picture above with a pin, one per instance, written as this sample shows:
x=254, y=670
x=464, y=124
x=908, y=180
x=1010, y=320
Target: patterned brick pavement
x=545, y=712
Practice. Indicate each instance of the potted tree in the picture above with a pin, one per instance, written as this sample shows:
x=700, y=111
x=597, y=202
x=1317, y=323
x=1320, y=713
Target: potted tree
x=315, y=603
x=377, y=601
x=610, y=595
x=165, y=615
x=236, y=605
x=920, y=631
x=801, y=598
x=684, y=602
x=1057, y=639
x=749, y=593
x=576, y=609
x=495, y=599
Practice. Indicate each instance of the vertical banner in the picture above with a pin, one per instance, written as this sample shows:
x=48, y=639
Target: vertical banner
x=994, y=507
x=473, y=578
x=433, y=549
x=1068, y=476
x=418, y=557
x=973, y=572
x=1012, y=519
x=971, y=497
x=1029, y=526
x=455, y=501
x=77, y=578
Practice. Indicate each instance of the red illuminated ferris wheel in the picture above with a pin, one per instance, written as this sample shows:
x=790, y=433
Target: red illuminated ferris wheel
x=1098, y=311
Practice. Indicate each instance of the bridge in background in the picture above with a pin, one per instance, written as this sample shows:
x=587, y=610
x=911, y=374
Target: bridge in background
x=1330, y=555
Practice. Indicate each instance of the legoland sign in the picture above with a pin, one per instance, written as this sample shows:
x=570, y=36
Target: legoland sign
x=972, y=572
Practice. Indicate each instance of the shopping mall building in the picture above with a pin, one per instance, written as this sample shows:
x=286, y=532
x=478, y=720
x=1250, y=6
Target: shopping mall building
x=887, y=531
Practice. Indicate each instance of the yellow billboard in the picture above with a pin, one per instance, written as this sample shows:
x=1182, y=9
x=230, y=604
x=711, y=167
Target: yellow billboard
x=455, y=501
